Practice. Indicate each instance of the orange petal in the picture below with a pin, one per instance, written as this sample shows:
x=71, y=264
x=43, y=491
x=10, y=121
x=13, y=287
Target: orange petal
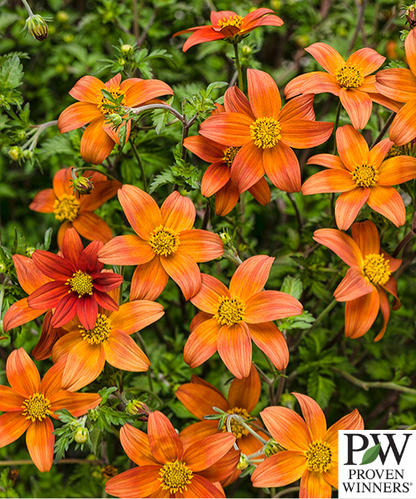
x=178, y=212
x=198, y=431
x=245, y=392
x=12, y=427
x=329, y=181
x=201, y=36
x=206, y=149
x=388, y=202
x=378, y=153
x=10, y=400
x=200, y=399
x=229, y=129
x=260, y=17
x=326, y=56
x=28, y=274
x=184, y=271
x=22, y=374
x=314, y=485
x=236, y=102
x=349, y=204
x=226, y=199
x=403, y=128
x=261, y=191
x=49, y=336
x=199, y=318
x=137, y=482
x=394, y=263
x=366, y=60
x=52, y=381
x=410, y=48
x=201, y=245
x=216, y=176
x=398, y=84
x=40, y=442
x=365, y=234
x=92, y=227
x=251, y=276
x=225, y=467
x=163, y=439
x=287, y=428
x=294, y=87
x=202, y=343
x=77, y=115
x=352, y=147
x=302, y=134
x=96, y=145
x=103, y=191
x=263, y=94
x=76, y=403
x=85, y=363
x=272, y=342
x=270, y=306
x=203, y=454
x=123, y=353
x=358, y=106
x=361, y=313
x=136, y=445
x=353, y=286
x=66, y=344
x=299, y=108
x=234, y=348
x=397, y=170
x=352, y=421
x=391, y=287
x=88, y=89
x=327, y=160
x=313, y=415
x=61, y=233
x=201, y=487
x=282, y=167
x=141, y=210
x=126, y=250
x=148, y=281
x=144, y=90
x=43, y=201
x=62, y=182
x=341, y=244
x=385, y=310
x=279, y=470
x=385, y=101
x=247, y=168
x=321, y=82
x=20, y=313
x=136, y=315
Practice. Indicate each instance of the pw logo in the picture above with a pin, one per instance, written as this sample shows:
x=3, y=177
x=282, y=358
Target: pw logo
x=378, y=464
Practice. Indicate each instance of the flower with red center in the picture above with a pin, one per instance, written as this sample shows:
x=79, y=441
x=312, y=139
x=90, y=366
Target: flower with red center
x=229, y=26
x=166, y=468
x=350, y=80
x=231, y=318
x=368, y=278
x=29, y=402
x=75, y=210
x=265, y=133
x=311, y=451
x=78, y=284
x=165, y=245
x=217, y=178
x=109, y=340
x=400, y=84
x=99, y=138
x=362, y=176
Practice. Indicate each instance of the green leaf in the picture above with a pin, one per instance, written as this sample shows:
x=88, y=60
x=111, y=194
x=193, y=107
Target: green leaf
x=11, y=73
x=371, y=454
x=292, y=286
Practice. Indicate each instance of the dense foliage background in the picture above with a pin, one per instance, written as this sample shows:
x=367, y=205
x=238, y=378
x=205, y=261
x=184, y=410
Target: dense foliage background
x=85, y=37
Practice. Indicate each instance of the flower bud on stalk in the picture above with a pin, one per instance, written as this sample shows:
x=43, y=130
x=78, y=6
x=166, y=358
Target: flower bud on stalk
x=15, y=153
x=138, y=408
x=411, y=16
x=81, y=435
x=37, y=26
x=82, y=185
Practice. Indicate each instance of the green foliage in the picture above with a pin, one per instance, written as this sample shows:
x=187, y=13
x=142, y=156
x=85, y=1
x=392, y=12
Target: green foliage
x=11, y=75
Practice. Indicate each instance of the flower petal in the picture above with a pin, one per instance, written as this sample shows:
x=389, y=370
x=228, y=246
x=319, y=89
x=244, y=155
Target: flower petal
x=203, y=454
x=65, y=310
x=163, y=439
x=397, y=170
x=236, y=102
x=314, y=485
x=216, y=176
x=272, y=342
x=53, y=266
x=352, y=286
x=352, y=147
x=366, y=60
x=229, y=129
x=136, y=445
x=320, y=82
x=302, y=134
x=352, y=421
x=361, y=313
x=10, y=400
x=44, y=201
x=184, y=271
x=144, y=90
x=12, y=427
x=329, y=181
x=403, y=128
x=200, y=399
x=30, y=277
x=201, y=245
x=92, y=227
x=136, y=315
x=226, y=199
x=378, y=153
x=148, y=280
x=349, y=204
x=263, y=94
x=202, y=343
x=225, y=467
x=178, y=212
x=77, y=115
x=388, y=202
x=40, y=441
x=365, y=234
x=398, y=84
x=299, y=108
x=22, y=374
x=247, y=168
x=96, y=144
x=313, y=415
x=204, y=148
x=326, y=56
x=410, y=48
x=279, y=470
x=198, y=431
x=327, y=160
x=88, y=89
x=126, y=250
x=358, y=106
x=245, y=392
x=385, y=310
x=201, y=487
x=137, y=482
x=20, y=313
x=341, y=244
x=123, y=353
x=76, y=403
x=282, y=167
x=270, y=306
x=261, y=192
x=251, y=276
x=234, y=348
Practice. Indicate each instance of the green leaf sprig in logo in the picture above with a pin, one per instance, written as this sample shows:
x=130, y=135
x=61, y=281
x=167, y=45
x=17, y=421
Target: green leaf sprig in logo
x=371, y=454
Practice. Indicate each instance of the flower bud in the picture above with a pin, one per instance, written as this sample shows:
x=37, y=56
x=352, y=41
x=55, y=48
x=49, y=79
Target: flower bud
x=82, y=185
x=81, y=435
x=411, y=16
x=21, y=135
x=243, y=463
x=109, y=471
x=272, y=447
x=115, y=119
x=138, y=408
x=15, y=153
x=27, y=154
x=126, y=49
x=121, y=61
x=246, y=50
x=62, y=16
x=37, y=26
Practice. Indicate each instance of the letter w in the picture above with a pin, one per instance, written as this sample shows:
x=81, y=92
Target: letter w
x=392, y=445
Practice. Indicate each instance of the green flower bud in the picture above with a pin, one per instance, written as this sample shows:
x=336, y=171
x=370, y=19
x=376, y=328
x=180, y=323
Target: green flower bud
x=37, y=27
x=243, y=463
x=138, y=408
x=246, y=50
x=62, y=16
x=272, y=447
x=68, y=38
x=21, y=135
x=121, y=61
x=15, y=153
x=83, y=185
x=27, y=154
x=126, y=49
x=81, y=435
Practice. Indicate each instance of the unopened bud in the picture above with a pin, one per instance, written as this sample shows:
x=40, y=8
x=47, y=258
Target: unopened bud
x=411, y=16
x=27, y=154
x=225, y=237
x=115, y=119
x=243, y=463
x=83, y=185
x=138, y=408
x=122, y=61
x=15, y=153
x=21, y=135
x=62, y=16
x=246, y=50
x=126, y=49
x=81, y=435
x=30, y=250
x=37, y=27
x=272, y=447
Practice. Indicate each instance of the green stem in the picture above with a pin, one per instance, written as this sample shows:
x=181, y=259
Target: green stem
x=136, y=153
x=120, y=296
x=336, y=126
x=149, y=374
x=92, y=169
x=238, y=67
x=413, y=427
x=2, y=290
x=245, y=425
x=366, y=385
x=29, y=10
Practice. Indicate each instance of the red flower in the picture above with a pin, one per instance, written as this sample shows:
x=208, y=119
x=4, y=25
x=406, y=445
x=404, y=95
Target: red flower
x=78, y=283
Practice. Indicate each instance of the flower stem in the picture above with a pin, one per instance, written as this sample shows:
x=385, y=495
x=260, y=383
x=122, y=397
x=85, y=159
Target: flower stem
x=336, y=126
x=92, y=169
x=29, y=10
x=238, y=66
x=383, y=130
x=136, y=153
x=245, y=425
x=149, y=374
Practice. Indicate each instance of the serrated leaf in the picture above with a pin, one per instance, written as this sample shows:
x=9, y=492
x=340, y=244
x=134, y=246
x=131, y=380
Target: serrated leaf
x=166, y=177
x=11, y=73
x=371, y=454
x=292, y=286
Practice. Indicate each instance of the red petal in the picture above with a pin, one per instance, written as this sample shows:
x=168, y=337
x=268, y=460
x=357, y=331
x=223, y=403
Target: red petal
x=53, y=266
x=142, y=91
x=87, y=309
x=66, y=310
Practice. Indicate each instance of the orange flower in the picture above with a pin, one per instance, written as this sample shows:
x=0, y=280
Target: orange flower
x=87, y=350
x=350, y=80
x=368, y=278
x=75, y=211
x=400, y=84
x=99, y=138
x=166, y=469
x=230, y=319
x=29, y=403
x=311, y=451
x=229, y=26
x=78, y=284
x=165, y=244
x=48, y=337
x=362, y=177
x=217, y=178
x=265, y=133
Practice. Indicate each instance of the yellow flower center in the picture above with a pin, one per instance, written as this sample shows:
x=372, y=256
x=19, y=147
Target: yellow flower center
x=265, y=132
x=230, y=311
x=230, y=21
x=116, y=93
x=349, y=77
x=175, y=477
x=319, y=457
x=229, y=155
x=66, y=208
x=377, y=269
x=237, y=429
x=81, y=283
x=100, y=333
x=365, y=175
x=164, y=241
x=36, y=407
